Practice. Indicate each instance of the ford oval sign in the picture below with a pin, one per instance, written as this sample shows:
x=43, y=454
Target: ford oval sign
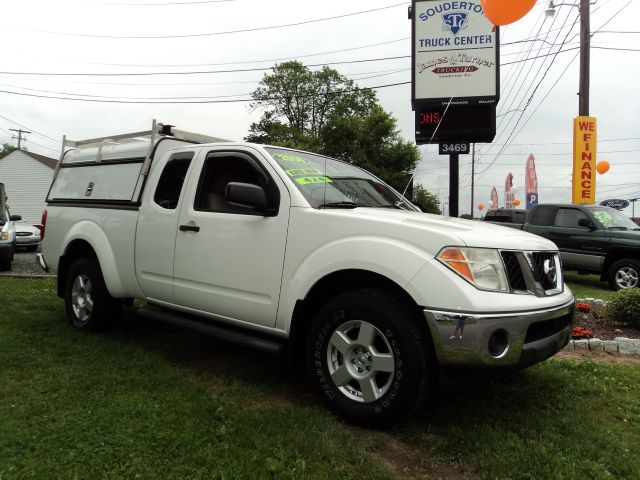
x=615, y=203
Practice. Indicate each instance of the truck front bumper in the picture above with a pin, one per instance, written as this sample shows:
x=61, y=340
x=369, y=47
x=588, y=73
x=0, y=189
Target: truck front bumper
x=514, y=339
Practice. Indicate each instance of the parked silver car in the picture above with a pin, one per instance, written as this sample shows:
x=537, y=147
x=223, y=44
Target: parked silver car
x=27, y=236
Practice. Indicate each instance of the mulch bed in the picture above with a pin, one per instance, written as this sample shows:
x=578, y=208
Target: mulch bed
x=601, y=327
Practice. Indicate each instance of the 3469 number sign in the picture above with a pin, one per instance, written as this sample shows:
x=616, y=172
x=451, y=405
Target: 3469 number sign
x=449, y=148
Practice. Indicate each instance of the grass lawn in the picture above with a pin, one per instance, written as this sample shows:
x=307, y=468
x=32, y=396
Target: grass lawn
x=588, y=286
x=149, y=401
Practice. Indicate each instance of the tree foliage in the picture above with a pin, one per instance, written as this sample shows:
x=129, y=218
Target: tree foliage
x=427, y=201
x=6, y=149
x=325, y=112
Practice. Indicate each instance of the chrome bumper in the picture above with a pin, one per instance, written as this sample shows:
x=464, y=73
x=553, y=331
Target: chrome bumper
x=515, y=339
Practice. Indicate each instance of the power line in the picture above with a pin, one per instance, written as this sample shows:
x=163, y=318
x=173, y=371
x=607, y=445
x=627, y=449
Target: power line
x=196, y=72
x=266, y=60
x=211, y=34
x=213, y=100
x=32, y=130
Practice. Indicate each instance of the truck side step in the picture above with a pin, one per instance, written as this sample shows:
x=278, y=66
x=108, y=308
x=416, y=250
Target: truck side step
x=226, y=334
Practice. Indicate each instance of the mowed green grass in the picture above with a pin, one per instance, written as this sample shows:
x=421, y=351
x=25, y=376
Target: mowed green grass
x=148, y=401
x=588, y=286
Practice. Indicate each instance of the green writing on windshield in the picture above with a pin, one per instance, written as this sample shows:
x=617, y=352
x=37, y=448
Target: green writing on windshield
x=286, y=157
x=604, y=218
x=310, y=180
x=299, y=172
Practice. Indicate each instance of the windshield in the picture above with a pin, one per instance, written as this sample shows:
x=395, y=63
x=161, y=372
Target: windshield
x=329, y=183
x=612, y=219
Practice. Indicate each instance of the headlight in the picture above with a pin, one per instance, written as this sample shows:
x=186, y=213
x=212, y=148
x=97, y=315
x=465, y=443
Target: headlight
x=4, y=233
x=482, y=267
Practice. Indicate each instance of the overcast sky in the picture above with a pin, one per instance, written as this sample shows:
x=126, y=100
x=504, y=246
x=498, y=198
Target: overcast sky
x=120, y=51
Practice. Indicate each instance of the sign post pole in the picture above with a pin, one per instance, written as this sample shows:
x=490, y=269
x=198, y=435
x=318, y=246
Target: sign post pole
x=453, y=184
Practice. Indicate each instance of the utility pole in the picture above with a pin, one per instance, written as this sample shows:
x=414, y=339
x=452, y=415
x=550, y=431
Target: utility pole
x=585, y=47
x=19, y=136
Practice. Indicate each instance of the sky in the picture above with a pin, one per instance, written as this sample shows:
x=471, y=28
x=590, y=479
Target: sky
x=94, y=68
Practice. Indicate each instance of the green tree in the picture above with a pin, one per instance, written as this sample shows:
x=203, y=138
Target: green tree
x=6, y=149
x=325, y=112
x=427, y=201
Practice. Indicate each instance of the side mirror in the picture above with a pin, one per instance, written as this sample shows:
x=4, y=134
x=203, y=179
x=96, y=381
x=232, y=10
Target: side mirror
x=15, y=218
x=586, y=223
x=246, y=195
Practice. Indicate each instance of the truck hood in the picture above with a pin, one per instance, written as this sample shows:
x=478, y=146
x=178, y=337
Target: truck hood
x=471, y=233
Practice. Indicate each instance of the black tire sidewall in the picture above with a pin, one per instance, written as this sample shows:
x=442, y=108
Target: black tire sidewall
x=407, y=340
x=105, y=310
x=617, y=265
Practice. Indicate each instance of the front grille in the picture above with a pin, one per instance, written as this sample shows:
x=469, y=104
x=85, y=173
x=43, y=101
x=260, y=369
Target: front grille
x=535, y=272
x=544, y=269
x=514, y=272
x=23, y=234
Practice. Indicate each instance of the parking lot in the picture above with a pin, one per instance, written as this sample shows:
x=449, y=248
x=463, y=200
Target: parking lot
x=25, y=264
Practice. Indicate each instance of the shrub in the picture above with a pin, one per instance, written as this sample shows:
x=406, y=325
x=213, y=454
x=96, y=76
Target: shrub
x=624, y=307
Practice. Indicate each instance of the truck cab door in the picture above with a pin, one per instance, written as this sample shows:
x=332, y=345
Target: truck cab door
x=157, y=227
x=580, y=246
x=229, y=258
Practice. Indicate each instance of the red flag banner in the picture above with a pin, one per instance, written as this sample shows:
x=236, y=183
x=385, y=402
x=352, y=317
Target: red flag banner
x=494, y=198
x=531, y=182
x=509, y=198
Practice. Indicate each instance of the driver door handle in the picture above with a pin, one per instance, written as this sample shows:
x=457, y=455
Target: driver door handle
x=190, y=227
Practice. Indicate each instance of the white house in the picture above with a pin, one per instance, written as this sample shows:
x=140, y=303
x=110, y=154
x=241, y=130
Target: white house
x=27, y=177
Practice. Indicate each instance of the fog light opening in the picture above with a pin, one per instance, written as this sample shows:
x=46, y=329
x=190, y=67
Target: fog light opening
x=498, y=343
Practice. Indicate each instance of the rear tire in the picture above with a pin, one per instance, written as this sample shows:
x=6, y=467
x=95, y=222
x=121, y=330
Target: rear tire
x=88, y=303
x=370, y=358
x=624, y=274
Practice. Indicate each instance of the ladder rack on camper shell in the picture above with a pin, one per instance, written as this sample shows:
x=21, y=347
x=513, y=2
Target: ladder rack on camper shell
x=111, y=171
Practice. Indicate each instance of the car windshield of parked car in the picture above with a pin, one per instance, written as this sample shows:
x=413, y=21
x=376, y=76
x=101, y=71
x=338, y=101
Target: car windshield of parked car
x=329, y=183
x=612, y=219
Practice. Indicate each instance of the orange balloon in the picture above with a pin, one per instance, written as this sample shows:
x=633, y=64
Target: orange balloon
x=504, y=12
x=481, y=206
x=602, y=167
x=517, y=202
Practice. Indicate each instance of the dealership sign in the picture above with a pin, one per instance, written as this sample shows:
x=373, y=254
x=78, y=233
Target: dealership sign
x=615, y=203
x=455, y=52
x=584, y=160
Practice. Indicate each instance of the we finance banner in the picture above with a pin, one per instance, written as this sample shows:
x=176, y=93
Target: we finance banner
x=584, y=161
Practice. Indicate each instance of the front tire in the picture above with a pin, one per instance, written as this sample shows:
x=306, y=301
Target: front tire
x=624, y=274
x=88, y=303
x=370, y=358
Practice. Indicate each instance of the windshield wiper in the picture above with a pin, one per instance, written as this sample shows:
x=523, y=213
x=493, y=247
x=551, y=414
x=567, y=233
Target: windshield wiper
x=389, y=205
x=341, y=205
x=617, y=228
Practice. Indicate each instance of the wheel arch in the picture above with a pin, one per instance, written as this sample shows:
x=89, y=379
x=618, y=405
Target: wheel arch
x=88, y=240
x=328, y=287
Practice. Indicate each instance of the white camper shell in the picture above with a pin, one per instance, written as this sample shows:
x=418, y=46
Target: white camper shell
x=113, y=169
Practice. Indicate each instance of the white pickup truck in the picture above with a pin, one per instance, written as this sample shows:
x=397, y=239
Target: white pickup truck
x=272, y=248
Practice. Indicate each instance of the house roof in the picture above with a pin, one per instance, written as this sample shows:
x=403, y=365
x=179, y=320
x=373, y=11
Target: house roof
x=49, y=162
